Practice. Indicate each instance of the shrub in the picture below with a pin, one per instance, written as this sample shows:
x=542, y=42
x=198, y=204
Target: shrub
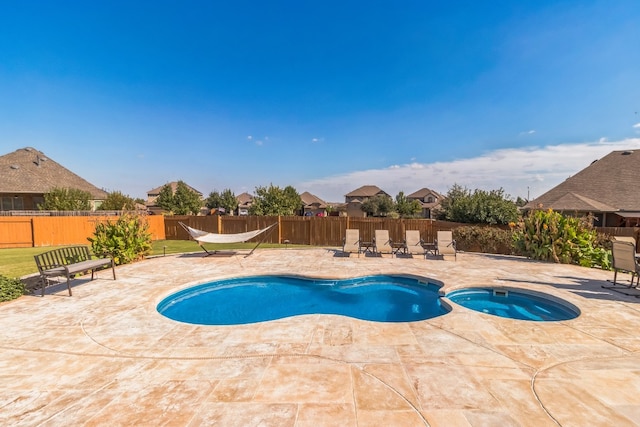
x=490, y=240
x=551, y=236
x=10, y=288
x=125, y=240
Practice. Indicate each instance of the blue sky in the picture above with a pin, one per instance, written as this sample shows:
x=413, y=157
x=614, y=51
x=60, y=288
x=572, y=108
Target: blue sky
x=325, y=96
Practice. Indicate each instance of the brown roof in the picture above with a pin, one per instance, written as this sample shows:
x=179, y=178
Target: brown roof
x=610, y=184
x=244, y=198
x=29, y=171
x=365, y=191
x=310, y=199
x=174, y=185
x=424, y=192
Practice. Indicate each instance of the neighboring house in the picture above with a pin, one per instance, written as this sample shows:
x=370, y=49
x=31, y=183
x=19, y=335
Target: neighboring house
x=312, y=205
x=608, y=188
x=245, y=200
x=429, y=200
x=152, y=195
x=27, y=175
x=354, y=199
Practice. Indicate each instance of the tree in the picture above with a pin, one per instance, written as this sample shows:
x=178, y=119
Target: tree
x=116, y=201
x=479, y=207
x=186, y=201
x=183, y=202
x=407, y=208
x=226, y=200
x=66, y=199
x=273, y=200
x=379, y=205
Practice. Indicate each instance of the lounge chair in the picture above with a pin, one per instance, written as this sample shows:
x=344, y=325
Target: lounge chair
x=624, y=259
x=351, y=242
x=445, y=245
x=413, y=244
x=382, y=243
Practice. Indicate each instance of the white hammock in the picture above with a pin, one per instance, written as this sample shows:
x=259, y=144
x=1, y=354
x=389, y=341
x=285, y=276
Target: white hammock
x=206, y=237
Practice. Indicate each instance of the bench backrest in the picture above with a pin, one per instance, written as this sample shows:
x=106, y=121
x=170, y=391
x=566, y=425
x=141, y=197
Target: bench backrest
x=62, y=256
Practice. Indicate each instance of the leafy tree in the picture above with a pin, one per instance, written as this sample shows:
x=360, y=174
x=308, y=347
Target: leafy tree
x=479, y=207
x=274, y=200
x=407, y=208
x=226, y=200
x=116, y=201
x=186, y=201
x=183, y=202
x=66, y=199
x=379, y=205
x=520, y=202
x=165, y=198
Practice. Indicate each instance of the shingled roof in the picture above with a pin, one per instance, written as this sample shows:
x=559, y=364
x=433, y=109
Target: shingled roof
x=610, y=184
x=29, y=171
x=365, y=191
x=309, y=199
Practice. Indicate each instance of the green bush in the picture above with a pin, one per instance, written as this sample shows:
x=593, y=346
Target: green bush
x=126, y=240
x=551, y=236
x=10, y=288
x=491, y=240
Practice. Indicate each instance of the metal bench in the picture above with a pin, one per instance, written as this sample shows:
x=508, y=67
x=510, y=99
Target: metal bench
x=68, y=262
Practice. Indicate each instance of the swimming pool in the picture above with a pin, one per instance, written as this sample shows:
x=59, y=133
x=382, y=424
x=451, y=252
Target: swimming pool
x=254, y=299
x=515, y=304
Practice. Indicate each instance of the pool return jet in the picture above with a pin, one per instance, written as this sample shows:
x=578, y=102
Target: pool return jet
x=206, y=237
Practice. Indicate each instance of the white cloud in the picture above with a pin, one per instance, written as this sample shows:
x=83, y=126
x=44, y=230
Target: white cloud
x=518, y=171
x=636, y=126
x=249, y=137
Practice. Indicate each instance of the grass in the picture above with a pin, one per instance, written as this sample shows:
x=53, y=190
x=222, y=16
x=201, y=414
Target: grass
x=18, y=262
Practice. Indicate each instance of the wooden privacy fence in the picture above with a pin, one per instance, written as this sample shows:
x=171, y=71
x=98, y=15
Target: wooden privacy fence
x=299, y=230
x=35, y=231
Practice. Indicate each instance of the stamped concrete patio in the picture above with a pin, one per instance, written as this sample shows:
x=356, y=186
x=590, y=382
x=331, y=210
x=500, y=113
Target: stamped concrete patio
x=106, y=357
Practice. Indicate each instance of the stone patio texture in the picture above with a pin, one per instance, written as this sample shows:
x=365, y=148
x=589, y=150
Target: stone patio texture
x=106, y=357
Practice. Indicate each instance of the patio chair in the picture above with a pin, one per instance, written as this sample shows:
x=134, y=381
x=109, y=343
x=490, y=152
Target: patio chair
x=445, y=245
x=351, y=242
x=413, y=243
x=382, y=243
x=624, y=259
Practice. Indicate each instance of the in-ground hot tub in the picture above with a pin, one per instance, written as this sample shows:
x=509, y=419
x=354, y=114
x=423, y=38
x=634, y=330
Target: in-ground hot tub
x=513, y=303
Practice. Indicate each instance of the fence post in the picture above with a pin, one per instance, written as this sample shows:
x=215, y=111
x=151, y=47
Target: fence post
x=279, y=229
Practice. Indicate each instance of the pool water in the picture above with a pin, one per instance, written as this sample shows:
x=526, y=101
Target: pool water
x=515, y=304
x=262, y=298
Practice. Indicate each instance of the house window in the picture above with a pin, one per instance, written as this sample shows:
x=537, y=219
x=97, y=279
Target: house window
x=15, y=203
x=430, y=199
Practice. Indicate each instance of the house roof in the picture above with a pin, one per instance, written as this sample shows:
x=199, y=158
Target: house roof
x=244, y=198
x=365, y=191
x=29, y=171
x=310, y=199
x=424, y=192
x=606, y=185
x=174, y=186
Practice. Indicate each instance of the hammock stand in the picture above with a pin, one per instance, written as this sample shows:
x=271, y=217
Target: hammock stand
x=206, y=237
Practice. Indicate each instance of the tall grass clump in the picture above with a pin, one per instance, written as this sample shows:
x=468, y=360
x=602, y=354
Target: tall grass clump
x=550, y=236
x=126, y=240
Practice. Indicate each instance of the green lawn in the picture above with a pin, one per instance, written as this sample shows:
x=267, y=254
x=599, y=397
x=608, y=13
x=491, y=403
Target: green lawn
x=18, y=262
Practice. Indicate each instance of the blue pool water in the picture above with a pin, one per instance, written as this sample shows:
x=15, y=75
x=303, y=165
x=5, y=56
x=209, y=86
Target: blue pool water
x=262, y=298
x=514, y=304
